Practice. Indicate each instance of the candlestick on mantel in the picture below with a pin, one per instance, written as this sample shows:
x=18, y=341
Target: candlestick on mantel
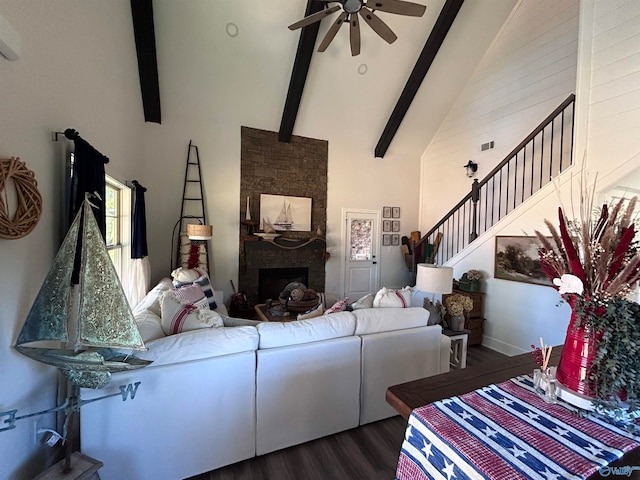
x=248, y=214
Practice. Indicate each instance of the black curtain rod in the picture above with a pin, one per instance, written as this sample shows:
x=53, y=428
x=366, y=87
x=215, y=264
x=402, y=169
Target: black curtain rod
x=73, y=134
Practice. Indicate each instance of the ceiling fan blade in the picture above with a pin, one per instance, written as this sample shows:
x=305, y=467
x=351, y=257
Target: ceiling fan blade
x=378, y=25
x=316, y=17
x=399, y=7
x=354, y=34
x=331, y=33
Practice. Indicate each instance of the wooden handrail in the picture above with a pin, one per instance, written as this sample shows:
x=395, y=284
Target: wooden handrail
x=570, y=99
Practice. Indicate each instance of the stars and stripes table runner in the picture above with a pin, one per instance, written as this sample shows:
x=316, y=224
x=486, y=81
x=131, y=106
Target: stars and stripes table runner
x=506, y=431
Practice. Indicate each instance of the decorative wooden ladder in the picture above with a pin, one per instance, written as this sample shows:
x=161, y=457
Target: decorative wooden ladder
x=192, y=198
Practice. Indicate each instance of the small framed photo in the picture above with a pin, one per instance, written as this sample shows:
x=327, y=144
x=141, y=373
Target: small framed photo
x=395, y=239
x=386, y=212
x=386, y=239
x=386, y=225
x=395, y=226
x=395, y=212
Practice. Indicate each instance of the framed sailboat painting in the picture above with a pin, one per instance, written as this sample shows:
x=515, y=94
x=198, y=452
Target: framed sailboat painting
x=289, y=214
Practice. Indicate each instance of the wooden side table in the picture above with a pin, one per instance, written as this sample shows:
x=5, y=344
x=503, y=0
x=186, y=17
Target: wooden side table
x=459, y=344
x=474, y=318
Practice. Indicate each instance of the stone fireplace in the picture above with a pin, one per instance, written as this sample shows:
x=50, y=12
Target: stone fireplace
x=297, y=169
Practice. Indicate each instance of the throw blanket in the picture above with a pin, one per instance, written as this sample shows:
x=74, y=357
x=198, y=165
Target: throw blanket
x=506, y=431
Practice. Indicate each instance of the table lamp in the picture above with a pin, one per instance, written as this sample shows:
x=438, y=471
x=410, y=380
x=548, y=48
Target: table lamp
x=433, y=279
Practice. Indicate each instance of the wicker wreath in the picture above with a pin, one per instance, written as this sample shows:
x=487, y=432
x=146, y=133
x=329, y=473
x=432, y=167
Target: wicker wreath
x=29, y=200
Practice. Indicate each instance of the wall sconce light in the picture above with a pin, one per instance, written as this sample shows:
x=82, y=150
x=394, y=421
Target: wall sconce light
x=471, y=167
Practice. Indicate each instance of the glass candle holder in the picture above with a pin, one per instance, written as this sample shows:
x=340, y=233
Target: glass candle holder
x=544, y=384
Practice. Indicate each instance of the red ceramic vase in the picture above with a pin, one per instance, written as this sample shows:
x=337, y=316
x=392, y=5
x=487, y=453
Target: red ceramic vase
x=578, y=353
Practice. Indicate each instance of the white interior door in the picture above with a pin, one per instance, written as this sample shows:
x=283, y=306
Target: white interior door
x=361, y=265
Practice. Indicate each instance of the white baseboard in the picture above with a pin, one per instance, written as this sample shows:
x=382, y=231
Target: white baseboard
x=501, y=347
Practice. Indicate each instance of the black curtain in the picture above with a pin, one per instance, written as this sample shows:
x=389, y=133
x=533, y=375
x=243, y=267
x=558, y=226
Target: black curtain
x=88, y=177
x=139, y=220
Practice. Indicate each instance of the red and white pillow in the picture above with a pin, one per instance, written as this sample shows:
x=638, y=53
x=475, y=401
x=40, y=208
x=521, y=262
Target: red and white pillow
x=186, y=308
x=195, y=276
x=340, y=306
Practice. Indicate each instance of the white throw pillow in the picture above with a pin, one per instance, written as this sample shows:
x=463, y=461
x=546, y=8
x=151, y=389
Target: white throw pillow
x=364, y=302
x=186, y=275
x=392, y=298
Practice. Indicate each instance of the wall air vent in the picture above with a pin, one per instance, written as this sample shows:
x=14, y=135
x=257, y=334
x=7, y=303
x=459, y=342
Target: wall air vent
x=486, y=146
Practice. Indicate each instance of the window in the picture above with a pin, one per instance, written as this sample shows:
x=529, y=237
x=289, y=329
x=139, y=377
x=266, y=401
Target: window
x=118, y=219
x=118, y=201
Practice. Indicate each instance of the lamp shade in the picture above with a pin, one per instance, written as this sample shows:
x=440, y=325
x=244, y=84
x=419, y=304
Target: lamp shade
x=433, y=279
x=199, y=232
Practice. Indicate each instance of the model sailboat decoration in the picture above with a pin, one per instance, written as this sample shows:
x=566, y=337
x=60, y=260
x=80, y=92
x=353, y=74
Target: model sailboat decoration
x=284, y=220
x=91, y=317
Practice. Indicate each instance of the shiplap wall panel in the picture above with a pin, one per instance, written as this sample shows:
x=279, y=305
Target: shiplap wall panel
x=527, y=72
x=614, y=101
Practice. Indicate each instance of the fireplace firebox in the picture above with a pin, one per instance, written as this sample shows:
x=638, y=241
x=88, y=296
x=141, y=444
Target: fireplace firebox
x=272, y=281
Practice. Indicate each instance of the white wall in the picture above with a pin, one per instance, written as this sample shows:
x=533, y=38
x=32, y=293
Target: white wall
x=608, y=115
x=78, y=69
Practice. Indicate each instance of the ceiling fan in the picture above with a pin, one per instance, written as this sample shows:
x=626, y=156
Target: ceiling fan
x=366, y=9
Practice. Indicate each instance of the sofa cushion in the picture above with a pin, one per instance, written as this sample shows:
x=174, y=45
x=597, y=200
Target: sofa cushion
x=149, y=325
x=376, y=320
x=152, y=300
x=198, y=344
x=280, y=334
x=391, y=298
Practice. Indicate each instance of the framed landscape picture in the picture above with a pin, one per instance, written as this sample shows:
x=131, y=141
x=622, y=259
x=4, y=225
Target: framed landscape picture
x=516, y=259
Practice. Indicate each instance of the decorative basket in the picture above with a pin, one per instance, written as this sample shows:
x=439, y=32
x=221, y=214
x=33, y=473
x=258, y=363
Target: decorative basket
x=299, y=306
x=467, y=285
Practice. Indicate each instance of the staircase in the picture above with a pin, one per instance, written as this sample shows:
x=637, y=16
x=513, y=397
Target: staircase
x=535, y=162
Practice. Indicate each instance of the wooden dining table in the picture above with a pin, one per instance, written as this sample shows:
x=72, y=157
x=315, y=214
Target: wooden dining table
x=405, y=397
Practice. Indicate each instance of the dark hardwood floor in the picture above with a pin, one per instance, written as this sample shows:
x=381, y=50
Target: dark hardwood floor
x=369, y=452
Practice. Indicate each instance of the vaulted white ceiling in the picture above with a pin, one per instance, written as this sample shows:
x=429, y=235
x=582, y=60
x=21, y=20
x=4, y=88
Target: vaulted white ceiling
x=238, y=50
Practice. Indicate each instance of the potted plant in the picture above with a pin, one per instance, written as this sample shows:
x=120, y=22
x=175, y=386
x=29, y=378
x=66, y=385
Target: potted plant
x=456, y=306
x=594, y=263
x=470, y=281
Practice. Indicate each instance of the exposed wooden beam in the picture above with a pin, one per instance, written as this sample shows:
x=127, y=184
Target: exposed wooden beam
x=429, y=51
x=306, y=44
x=144, y=32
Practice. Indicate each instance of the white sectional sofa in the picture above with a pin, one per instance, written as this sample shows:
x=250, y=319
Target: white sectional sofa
x=217, y=396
